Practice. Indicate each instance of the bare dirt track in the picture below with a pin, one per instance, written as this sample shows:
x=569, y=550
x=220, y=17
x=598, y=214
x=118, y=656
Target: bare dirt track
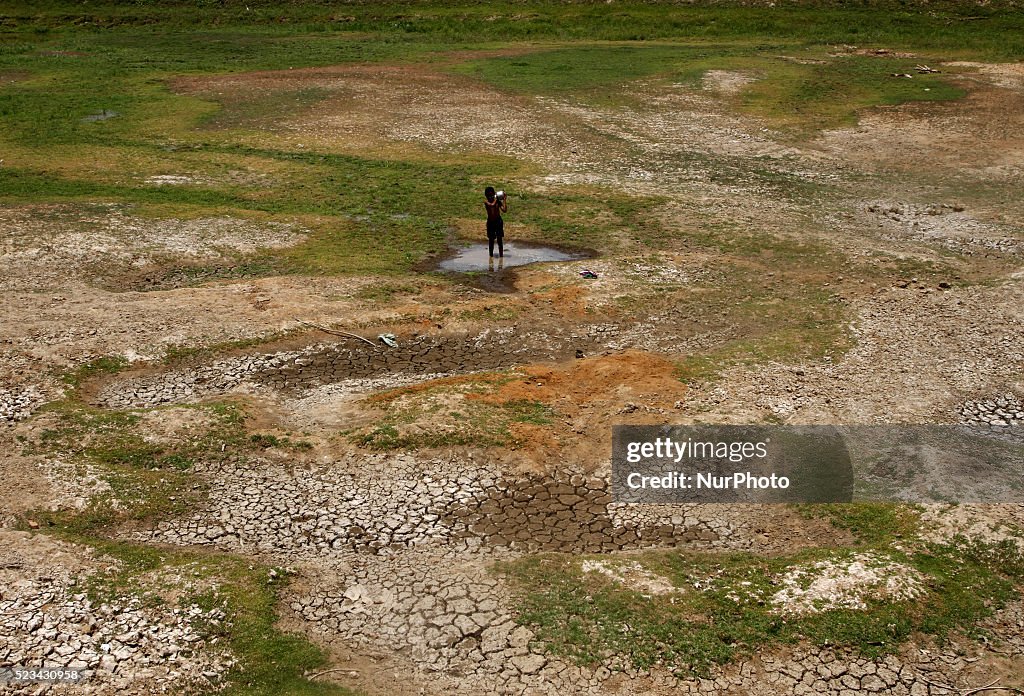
x=391, y=518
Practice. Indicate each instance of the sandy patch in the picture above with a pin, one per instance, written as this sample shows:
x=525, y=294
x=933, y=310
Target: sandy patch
x=169, y=425
x=726, y=81
x=1005, y=75
x=846, y=584
x=631, y=575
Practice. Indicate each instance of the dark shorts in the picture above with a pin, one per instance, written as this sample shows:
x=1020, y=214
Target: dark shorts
x=495, y=228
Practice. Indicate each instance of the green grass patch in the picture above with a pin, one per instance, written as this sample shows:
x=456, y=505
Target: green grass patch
x=590, y=71
x=107, y=365
x=449, y=412
x=264, y=441
x=831, y=93
x=872, y=524
x=723, y=610
x=993, y=29
x=809, y=92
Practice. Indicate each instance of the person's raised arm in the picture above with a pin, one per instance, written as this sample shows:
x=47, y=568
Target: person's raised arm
x=504, y=204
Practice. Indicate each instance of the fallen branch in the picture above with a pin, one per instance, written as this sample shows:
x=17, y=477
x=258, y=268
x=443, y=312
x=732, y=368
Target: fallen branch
x=329, y=671
x=336, y=333
x=991, y=686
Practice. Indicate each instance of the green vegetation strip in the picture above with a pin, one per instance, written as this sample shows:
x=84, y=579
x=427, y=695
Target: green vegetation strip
x=721, y=608
x=993, y=27
x=791, y=85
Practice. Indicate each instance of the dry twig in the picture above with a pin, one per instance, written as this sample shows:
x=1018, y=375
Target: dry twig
x=991, y=686
x=336, y=333
x=329, y=671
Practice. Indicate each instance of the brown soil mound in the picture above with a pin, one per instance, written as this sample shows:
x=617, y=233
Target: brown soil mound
x=630, y=377
x=591, y=396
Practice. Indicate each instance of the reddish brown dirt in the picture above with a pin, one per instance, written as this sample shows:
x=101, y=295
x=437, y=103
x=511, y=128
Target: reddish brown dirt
x=590, y=396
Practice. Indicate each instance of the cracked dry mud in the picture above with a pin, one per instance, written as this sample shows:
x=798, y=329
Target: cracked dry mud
x=391, y=555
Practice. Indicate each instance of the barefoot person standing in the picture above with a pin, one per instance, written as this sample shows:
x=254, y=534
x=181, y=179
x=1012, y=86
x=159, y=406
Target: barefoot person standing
x=495, y=205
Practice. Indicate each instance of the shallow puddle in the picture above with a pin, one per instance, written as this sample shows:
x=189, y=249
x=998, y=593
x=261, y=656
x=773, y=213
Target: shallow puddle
x=474, y=257
x=101, y=116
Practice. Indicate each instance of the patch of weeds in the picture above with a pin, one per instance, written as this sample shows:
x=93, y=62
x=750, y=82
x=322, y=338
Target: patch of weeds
x=807, y=340
x=248, y=109
x=380, y=437
x=771, y=300
x=146, y=479
x=388, y=291
x=583, y=70
x=526, y=411
x=161, y=277
x=444, y=413
x=810, y=94
x=724, y=606
x=872, y=524
x=970, y=580
x=134, y=498
x=815, y=95
x=273, y=441
x=107, y=365
x=592, y=217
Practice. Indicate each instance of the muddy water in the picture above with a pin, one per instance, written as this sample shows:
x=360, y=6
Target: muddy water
x=474, y=257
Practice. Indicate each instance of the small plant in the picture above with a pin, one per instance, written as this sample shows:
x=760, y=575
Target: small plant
x=273, y=441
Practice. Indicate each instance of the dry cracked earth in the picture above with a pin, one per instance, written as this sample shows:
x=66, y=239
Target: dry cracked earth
x=391, y=554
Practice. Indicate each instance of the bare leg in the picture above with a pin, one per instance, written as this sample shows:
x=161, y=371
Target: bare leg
x=490, y=246
x=501, y=247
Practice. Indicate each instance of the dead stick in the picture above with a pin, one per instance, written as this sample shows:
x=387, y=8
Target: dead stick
x=328, y=671
x=991, y=685
x=947, y=687
x=336, y=333
x=975, y=690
